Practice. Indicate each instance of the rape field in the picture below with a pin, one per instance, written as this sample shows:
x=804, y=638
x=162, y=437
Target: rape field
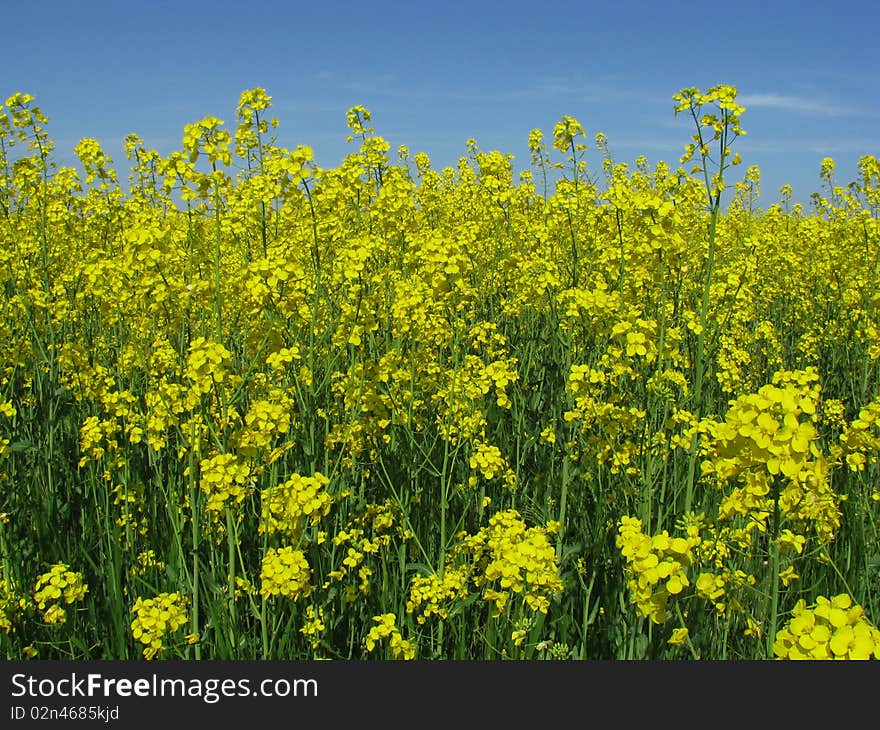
x=251, y=408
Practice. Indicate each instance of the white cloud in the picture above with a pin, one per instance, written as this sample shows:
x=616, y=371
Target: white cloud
x=654, y=144
x=793, y=103
x=862, y=146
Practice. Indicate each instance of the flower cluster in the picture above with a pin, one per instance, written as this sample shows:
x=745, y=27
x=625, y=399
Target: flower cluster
x=432, y=595
x=224, y=479
x=208, y=363
x=287, y=507
x=12, y=603
x=656, y=566
x=386, y=628
x=58, y=586
x=510, y=559
x=313, y=626
x=831, y=628
x=768, y=443
x=155, y=618
x=365, y=539
x=487, y=460
x=285, y=572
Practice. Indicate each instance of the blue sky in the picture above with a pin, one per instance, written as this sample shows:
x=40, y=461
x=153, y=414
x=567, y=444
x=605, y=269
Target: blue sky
x=435, y=74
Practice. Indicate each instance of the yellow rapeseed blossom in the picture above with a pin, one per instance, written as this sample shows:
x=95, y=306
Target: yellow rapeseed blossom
x=59, y=585
x=12, y=604
x=656, y=566
x=314, y=625
x=300, y=500
x=155, y=618
x=208, y=363
x=236, y=326
x=386, y=628
x=510, y=559
x=285, y=572
x=679, y=636
x=432, y=595
x=224, y=480
x=831, y=628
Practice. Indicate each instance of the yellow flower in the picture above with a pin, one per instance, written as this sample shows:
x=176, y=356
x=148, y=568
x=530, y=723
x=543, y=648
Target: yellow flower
x=788, y=576
x=155, y=618
x=679, y=636
x=832, y=628
x=386, y=628
x=285, y=572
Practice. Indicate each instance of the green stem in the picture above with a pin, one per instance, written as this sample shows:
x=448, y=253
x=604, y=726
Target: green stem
x=700, y=356
x=230, y=582
x=218, y=294
x=774, y=573
x=193, y=501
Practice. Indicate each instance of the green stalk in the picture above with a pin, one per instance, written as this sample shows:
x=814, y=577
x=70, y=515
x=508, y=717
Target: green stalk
x=774, y=573
x=264, y=628
x=218, y=294
x=700, y=360
x=563, y=498
x=193, y=501
x=230, y=576
x=715, y=207
x=575, y=273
